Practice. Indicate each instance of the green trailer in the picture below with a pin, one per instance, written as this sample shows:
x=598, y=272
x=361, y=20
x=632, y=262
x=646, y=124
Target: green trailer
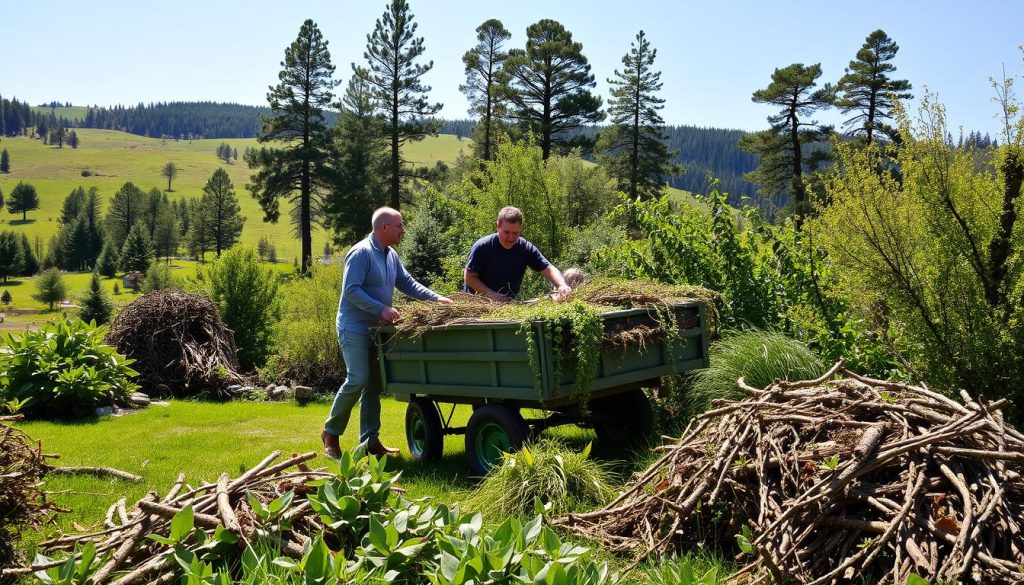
x=488, y=365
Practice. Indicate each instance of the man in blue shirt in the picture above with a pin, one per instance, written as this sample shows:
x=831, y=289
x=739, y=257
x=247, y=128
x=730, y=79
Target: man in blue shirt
x=372, y=273
x=498, y=262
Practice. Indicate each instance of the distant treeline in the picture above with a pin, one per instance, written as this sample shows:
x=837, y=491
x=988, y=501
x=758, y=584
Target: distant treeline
x=180, y=119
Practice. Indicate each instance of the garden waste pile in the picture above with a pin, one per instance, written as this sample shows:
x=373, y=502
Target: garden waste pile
x=597, y=296
x=833, y=480
x=180, y=345
x=22, y=501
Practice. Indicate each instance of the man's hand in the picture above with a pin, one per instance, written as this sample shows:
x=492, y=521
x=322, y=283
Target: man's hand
x=498, y=297
x=563, y=291
x=389, y=314
x=444, y=301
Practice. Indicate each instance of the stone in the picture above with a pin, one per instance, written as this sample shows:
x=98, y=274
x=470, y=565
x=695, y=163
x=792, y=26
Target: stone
x=303, y=393
x=104, y=411
x=141, y=400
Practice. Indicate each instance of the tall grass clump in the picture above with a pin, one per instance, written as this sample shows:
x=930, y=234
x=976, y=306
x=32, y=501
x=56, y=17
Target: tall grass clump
x=759, y=357
x=691, y=569
x=543, y=473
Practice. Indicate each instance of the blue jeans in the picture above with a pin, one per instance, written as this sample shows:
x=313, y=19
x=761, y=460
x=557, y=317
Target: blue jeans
x=357, y=350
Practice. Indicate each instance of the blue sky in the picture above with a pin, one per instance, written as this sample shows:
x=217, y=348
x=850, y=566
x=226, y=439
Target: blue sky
x=712, y=55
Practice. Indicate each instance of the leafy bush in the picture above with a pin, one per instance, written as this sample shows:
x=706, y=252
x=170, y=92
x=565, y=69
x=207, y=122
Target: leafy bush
x=544, y=473
x=246, y=295
x=158, y=277
x=5, y=298
x=759, y=357
x=305, y=343
x=64, y=368
x=51, y=287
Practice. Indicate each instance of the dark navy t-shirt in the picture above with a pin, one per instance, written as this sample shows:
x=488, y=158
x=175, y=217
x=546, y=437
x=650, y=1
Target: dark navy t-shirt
x=502, y=269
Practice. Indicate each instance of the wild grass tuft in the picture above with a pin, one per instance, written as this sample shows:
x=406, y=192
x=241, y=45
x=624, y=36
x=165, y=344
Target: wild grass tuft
x=545, y=472
x=759, y=357
x=696, y=568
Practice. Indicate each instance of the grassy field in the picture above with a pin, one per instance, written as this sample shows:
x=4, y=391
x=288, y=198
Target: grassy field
x=114, y=158
x=22, y=289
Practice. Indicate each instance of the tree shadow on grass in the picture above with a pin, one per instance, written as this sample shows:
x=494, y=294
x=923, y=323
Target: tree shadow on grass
x=21, y=222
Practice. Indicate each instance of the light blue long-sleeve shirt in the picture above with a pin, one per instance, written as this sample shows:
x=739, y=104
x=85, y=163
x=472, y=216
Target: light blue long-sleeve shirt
x=372, y=273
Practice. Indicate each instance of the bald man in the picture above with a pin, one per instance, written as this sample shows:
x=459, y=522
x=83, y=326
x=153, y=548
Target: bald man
x=372, y=273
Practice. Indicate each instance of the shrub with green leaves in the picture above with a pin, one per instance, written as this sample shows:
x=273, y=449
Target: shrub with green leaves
x=158, y=277
x=64, y=369
x=246, y=295
x=759, y=357
x=543, y=474
x=305, y=343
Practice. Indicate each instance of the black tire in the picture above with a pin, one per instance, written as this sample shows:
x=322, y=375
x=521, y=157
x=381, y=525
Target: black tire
x=492, y=430
x=623, y=419
x=423, y=430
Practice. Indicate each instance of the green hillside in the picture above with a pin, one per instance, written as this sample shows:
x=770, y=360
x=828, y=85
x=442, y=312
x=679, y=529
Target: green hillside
x=71, y=113
x=112, y=158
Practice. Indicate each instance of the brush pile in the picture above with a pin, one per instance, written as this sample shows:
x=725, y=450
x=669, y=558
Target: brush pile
x=836, y=480
x=22, y=502
x=602, y=294
x=180, y=345
x=226, y=504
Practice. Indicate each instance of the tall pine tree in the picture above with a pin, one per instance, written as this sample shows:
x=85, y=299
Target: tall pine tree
x=23, y=199
x=30, y=265
x=867, y=89
x=781, y=148
x=137, y=252
x=300, y=169
x=362, y=163
x=550, y=85
x=222, y=209
x=634, y=147
x=395, y=83
x=11, y=258
x=126, y=209
x=5, y=161
x=170, y=171
x=484, y=78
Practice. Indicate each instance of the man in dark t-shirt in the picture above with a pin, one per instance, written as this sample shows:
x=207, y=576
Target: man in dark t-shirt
x=498, y=262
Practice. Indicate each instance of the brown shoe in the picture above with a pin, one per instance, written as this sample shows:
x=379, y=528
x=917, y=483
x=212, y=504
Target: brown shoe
x=331, y=447
x=377, y=448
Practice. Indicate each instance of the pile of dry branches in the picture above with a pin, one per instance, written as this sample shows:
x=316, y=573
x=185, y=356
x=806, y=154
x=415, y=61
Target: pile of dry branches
x=180, y=345
x=837, y=479
x=223, y=503
x=22, y=501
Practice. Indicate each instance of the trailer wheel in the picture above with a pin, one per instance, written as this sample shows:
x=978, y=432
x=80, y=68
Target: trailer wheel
x=492, y=430
x=623, y=419
x=423, y=430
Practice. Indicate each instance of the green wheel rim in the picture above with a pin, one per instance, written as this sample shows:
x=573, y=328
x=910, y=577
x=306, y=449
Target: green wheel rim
x=417, y=434
x=491, y=441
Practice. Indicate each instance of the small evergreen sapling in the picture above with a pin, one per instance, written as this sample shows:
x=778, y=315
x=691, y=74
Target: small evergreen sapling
x=96, y=306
